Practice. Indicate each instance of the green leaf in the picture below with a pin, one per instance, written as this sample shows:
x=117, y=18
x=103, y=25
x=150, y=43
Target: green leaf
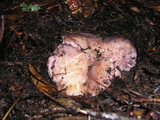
x=23, y=4
x=35, y=8
x=27, y=8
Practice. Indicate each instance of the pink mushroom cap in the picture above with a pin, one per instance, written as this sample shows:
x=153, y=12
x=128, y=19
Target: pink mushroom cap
x=86, y=64
x=120, y=51
x=100, y=75
x=69, y=67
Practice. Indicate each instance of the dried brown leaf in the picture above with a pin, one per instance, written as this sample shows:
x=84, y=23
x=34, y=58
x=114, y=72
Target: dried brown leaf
x=38, y=80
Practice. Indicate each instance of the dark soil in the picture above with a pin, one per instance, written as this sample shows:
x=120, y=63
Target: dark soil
x=31, y=37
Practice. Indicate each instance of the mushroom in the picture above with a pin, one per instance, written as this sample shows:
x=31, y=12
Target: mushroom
x=69, y=68
x=100, y=75
x=86, y=64
x=86, y=42
x=120, y=51
x=82, y=40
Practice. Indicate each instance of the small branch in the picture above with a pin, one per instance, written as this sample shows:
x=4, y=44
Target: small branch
x=2, y=28
x=4, y=118
x=112, y=116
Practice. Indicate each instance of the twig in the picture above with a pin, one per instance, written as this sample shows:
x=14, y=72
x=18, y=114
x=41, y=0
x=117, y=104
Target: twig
x=112, y=116
x=2, y=28
x=4, y=118
x=121, y=99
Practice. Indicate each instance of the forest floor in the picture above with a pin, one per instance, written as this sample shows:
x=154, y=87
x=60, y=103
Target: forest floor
x=29, y=37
